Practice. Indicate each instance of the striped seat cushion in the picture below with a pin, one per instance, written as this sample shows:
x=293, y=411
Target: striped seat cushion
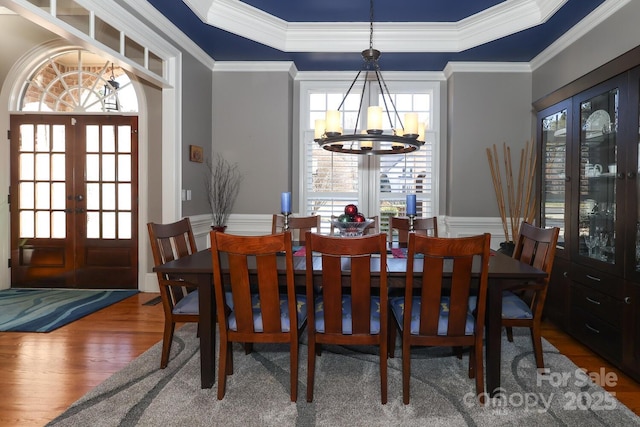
x=285, y=320
x=397, y=309
x=347, y=326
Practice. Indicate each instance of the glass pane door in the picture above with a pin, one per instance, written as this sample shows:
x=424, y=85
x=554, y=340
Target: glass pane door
x=598, y=170
x=553, y=129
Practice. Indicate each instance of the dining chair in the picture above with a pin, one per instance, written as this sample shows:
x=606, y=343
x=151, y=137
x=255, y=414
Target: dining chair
x=298, y=225
x=522, y=304
x=345, y=310
x=250, y=306
x=179, y=296
x=438, y=302
x=423, y=226
x=373, y=228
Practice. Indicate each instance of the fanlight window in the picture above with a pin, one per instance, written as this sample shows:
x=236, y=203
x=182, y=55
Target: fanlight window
x=78, y=81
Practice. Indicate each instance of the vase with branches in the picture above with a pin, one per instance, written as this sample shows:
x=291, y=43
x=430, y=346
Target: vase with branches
x=521, y=201
x=222, y=182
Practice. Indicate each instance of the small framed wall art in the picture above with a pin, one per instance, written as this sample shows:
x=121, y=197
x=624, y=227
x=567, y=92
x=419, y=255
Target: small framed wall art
x=195, y=153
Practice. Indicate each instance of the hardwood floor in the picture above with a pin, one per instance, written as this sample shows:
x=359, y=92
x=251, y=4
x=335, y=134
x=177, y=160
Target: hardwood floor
x=42, y=374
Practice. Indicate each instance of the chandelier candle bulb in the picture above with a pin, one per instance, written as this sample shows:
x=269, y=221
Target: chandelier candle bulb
x=366, y=145
x=421, y=131
x=411, y=124
x=374, y=119
x=285, y=202
x=411, y=204
x=332, y=122
x=319, y=128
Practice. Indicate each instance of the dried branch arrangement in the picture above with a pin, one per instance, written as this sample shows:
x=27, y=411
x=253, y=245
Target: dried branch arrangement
x=520, y=196
x=222, y=182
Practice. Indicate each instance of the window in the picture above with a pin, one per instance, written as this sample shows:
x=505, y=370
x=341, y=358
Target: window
x=78, y=81
x=378, y=185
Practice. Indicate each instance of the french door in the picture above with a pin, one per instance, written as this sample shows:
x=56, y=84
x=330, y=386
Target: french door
x=74, y=194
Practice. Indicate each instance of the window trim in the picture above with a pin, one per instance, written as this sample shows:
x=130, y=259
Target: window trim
x=398, y=82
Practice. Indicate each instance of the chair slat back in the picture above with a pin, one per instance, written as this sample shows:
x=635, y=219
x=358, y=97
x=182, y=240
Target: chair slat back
x=346, y=264
x=298, y=225
x=422, y=226
x=171, y=241
x=537, y=246
x=438, y=256
x=253, y=267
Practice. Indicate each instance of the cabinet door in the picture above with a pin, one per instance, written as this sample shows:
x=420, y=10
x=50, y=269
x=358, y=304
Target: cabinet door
x=631, y=341
x=595, y=224
x=629, y=172
x=555, y=178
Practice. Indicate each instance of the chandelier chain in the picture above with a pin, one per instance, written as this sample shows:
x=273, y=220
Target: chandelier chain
x=371, y=24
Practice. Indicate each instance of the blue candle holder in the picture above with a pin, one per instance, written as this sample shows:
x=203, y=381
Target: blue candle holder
x=411, y=226
x=285, y=227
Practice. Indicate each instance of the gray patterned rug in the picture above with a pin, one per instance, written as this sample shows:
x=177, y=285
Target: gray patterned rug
x=347, y=391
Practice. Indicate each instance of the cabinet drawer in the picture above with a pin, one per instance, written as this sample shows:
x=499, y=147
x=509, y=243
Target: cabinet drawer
x=598, y=304
x=597, y=334
x=602, y=282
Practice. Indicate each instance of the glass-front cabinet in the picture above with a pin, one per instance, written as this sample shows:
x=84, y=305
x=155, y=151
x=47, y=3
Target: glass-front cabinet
x=588, y=181
x=597, y=111
x=555, y=182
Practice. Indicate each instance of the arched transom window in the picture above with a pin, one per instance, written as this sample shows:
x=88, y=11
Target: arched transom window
x=78, y=81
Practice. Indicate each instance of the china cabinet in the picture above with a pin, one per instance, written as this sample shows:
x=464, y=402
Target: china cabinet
x=588, y=182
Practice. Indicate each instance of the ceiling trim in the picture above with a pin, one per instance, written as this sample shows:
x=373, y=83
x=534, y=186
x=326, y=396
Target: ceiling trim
x=255, y=66
x=486, y=67
x=505, y=18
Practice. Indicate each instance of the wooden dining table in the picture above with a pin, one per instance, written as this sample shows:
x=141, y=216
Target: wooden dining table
x=502, y=269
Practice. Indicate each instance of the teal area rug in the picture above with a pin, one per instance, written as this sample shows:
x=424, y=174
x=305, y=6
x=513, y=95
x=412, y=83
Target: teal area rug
x=43, y=310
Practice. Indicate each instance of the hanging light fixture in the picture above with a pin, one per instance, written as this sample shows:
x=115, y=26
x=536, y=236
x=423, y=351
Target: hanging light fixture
x=408, y=137
x=111, y=102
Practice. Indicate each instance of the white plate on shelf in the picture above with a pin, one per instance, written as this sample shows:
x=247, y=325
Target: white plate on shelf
x=596, y=122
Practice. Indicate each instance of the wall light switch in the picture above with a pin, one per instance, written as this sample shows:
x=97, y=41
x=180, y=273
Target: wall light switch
x=188, y=194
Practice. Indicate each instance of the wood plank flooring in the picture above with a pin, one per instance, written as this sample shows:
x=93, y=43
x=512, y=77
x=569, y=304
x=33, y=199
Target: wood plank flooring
x=42, y=374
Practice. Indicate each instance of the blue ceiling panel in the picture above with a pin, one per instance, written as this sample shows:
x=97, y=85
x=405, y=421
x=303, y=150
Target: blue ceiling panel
x=521, y=46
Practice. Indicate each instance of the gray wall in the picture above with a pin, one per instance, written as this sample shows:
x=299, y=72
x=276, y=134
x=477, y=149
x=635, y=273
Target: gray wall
x=613, y=37
x=197, y=113
x=483, y=109
x=252, y=126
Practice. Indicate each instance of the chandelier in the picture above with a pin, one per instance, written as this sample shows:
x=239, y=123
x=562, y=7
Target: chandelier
x=408, y=137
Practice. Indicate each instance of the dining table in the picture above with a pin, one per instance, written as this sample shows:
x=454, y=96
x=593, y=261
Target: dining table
x=503, y=270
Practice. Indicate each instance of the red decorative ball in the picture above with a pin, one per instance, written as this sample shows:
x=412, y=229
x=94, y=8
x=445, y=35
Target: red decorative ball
x=351, y=210
x=359, y=218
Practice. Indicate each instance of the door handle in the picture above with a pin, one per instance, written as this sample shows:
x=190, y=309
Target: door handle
x=79, y=198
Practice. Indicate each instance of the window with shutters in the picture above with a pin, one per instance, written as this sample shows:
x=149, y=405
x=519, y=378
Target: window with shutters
x=378, y=185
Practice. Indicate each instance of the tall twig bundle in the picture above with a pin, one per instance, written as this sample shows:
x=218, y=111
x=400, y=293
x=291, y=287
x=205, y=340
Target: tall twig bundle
x=222, y=182
x=520, y=195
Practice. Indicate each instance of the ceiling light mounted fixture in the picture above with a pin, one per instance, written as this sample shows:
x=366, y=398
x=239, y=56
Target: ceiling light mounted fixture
x=408, y=137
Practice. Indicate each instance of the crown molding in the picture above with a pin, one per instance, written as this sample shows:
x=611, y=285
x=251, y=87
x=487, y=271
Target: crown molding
x=256, y=66
x=486, y=67
x=413, y=76
x=498, y=21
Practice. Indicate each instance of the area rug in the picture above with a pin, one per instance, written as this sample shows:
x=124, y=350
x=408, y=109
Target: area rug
x=43, y=310
x=347, y=391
